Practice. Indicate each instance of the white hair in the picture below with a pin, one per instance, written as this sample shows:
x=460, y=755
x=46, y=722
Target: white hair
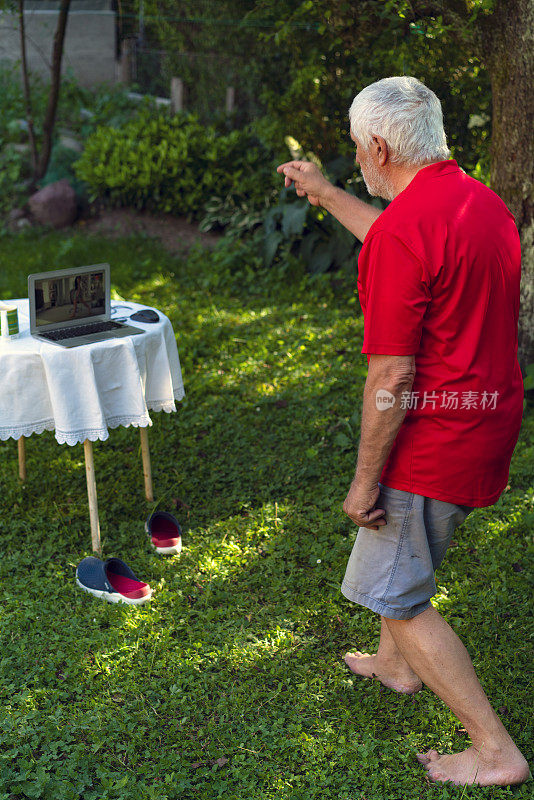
x=405, y=113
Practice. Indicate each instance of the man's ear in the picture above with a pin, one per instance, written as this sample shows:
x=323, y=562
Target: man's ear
x=381, y=150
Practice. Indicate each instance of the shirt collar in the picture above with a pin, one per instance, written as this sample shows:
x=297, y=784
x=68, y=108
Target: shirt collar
x=435, y=171
x=441, y=167
x=428, y=173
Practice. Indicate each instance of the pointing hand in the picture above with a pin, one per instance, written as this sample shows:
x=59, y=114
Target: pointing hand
x=308, y=179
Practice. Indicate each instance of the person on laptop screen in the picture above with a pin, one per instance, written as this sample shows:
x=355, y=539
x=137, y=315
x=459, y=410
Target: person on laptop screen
x=74, y=295
x=78, y=295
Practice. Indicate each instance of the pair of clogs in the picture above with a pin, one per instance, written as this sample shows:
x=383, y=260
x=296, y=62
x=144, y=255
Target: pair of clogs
x=113, y=580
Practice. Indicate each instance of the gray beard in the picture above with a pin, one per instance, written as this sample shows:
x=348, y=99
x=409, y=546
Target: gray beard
x=377, y=185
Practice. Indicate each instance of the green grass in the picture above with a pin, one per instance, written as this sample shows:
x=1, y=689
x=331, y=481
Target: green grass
x=230, y=682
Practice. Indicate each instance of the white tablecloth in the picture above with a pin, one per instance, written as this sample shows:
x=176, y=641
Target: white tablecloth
x=81, y=392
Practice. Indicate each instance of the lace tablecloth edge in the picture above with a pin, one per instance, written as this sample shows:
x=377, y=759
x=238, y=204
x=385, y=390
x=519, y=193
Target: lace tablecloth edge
x=26, y=430
x=96, y=434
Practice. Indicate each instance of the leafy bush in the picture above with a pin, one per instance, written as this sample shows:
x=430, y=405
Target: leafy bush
x=236, y=216
x=287, y=237
x=175, y=164
x=80, y=112
x=311, y=234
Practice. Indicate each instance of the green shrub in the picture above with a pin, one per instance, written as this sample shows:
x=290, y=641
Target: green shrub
x=80, y=111
x=175, y=164
x=308, y=233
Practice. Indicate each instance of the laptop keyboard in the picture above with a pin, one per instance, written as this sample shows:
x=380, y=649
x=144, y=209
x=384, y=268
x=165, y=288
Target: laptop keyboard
x=80, y=330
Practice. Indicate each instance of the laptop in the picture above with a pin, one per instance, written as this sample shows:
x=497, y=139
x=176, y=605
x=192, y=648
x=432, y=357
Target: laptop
x=72, y=307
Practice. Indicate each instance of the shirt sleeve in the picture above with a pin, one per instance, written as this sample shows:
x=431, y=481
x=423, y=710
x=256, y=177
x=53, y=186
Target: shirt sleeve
x=397, y=294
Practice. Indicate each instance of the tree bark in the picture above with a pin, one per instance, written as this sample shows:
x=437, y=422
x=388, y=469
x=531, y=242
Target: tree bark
x=53, y=97
x=508, y=49
x=504, y=40
x=26, y=86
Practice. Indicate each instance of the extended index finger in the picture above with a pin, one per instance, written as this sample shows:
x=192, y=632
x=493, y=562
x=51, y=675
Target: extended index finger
x=290, y=172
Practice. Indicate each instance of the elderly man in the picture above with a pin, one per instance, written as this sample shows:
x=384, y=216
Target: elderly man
x=438, y=282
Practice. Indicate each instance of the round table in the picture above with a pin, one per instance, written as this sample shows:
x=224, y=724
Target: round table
x=82, y=392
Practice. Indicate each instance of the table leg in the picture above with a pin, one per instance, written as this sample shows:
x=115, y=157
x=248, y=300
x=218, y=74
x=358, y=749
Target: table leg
x=147, y=470
x=91, y=492
x=22, y=458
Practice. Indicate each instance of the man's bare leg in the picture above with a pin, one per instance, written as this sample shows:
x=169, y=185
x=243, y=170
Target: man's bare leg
x=437, y=655
x=388, y=665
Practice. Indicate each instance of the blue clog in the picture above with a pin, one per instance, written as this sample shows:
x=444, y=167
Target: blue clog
x=111, y=580
x=165, y=533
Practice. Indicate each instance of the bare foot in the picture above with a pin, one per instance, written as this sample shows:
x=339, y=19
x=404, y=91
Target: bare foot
x=368, y=666
x=476, y=767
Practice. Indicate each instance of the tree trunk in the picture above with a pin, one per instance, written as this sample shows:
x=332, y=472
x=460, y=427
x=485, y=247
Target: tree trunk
x=508, y=45
x=26, y=86
x=50, y=116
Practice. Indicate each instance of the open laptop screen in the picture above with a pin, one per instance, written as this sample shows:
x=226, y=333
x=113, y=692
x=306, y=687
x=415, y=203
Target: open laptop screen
x=67, y=298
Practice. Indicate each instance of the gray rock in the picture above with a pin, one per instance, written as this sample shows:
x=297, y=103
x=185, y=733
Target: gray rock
x=55, y=205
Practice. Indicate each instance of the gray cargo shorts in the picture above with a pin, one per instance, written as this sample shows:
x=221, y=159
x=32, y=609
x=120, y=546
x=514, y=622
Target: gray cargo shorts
x=391, y=570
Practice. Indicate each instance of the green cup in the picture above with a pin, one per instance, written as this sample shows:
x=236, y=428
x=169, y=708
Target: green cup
x=10, y=320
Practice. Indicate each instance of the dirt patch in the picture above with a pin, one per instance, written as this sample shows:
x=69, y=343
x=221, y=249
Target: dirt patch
x=176, y=234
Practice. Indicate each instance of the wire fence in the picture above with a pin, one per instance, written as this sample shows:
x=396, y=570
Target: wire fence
x=215, y=52
x=211, y=83
x=214, y=55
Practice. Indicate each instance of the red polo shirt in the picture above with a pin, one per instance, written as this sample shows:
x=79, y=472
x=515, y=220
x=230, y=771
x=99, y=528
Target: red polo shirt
x=438, y=277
